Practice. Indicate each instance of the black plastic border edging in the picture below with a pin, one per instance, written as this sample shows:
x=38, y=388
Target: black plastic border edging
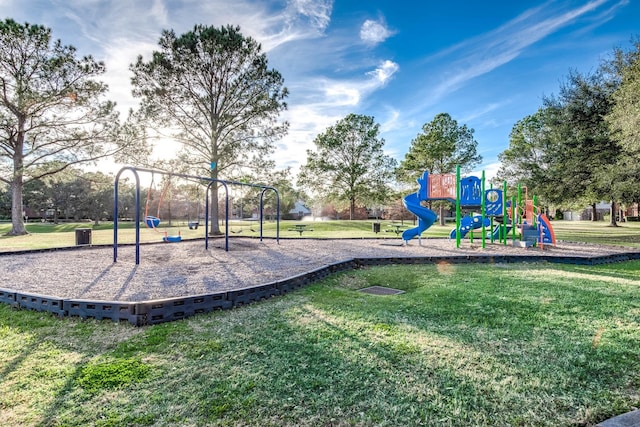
x=166, y=310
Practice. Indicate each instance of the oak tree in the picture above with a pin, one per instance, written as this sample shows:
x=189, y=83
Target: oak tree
x=349, y=164
x=211, y=90
x=440, y=148
x=53, y=112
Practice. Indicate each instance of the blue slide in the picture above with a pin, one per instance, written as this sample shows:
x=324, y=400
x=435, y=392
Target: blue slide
x=496, y=231
x=426, y=217
x=467, y=223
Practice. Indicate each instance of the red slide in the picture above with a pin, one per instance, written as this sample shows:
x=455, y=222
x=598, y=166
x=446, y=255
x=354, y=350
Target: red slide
x=548, y=236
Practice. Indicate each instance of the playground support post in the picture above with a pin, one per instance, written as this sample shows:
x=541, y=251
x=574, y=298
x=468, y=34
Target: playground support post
x=492, y=224
x=264, y=190
x=483, y=212
x=115, y=213
x=503, y=235
x=458, y=219
x=514, y=218
x=226, y=214
x=535, y=221
x=520, y=217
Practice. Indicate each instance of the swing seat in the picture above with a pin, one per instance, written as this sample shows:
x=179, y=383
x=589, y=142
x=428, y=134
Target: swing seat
x=152, y=221
x=172, y=239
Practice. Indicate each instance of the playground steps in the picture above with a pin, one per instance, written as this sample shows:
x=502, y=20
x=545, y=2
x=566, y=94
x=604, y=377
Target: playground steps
x=524, y=243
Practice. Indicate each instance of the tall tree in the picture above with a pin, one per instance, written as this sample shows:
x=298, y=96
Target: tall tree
x=52, y=110
x=442, y=145
x=282, y=181
x=624, y=120
x=586, y=148
x=440, y=148
x=529, y=158
x=97, y=196
x=212, y=90
x=349, y=163
x=624, y=117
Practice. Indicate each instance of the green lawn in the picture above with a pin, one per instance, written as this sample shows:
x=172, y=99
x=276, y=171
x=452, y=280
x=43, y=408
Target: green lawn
x=524, y=345
x=517, y=344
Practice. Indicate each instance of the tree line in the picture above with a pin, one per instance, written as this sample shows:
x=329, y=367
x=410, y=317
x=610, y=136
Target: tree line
x=79, y=195
x=582, y=146
x=211, y=92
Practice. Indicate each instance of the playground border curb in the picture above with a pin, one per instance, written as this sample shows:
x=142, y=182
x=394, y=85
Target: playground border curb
x=630, y=419
x=149, y=312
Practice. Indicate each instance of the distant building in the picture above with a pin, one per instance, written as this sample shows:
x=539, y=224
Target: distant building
x=586, y=214
x=299, y=210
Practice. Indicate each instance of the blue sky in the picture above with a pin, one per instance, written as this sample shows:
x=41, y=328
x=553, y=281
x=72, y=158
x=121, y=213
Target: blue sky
x=488, y=64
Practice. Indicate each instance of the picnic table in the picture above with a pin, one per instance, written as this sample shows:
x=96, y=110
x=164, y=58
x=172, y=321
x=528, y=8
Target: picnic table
x=300, y=228
x=397, y=228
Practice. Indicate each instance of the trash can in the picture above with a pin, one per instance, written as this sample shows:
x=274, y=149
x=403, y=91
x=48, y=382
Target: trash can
x=83, y=236
x=375, y=227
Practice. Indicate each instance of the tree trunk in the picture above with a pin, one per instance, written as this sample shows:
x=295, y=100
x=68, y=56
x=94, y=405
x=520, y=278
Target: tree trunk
x=215, y=194
x=594, y=212
x=17, y=184
x=441, y=215
x=17, y=219
x=352, y=208
x=215, y=223
x=612, y=214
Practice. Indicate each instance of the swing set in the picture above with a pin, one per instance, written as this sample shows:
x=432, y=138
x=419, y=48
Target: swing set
x=154, y=221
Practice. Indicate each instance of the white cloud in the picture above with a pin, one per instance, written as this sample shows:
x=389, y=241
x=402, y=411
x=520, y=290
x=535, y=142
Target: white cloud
x=118, y=55
x=490, y=171
x=384, y=72
x=159, y=12
x=326, y=102
x=374, y=32
x=482, y=111
x=331, y=94
x=300, y=20
x=310, y=120
x=317, y=12
x=482, y=54
x=342, y=94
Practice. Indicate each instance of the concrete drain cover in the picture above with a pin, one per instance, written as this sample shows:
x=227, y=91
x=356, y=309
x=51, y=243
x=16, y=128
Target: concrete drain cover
x=381, y=290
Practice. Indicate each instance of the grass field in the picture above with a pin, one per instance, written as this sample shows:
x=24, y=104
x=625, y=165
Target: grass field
x=61, y=235
x=518, y=344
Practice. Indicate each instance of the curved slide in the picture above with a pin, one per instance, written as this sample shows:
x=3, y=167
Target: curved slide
x=548, y=235
x=468, y=223
x=426, y=217
x=496, y=231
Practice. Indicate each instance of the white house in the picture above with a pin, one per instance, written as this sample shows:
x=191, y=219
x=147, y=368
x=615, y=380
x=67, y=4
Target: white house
x=299, y=210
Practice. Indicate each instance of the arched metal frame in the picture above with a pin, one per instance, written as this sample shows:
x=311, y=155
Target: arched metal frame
x=211, y=181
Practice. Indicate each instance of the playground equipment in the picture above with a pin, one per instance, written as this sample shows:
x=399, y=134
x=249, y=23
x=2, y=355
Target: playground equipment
x=199, y=179
x=520, y=217
x=154, y=221
x=426, y=217
x=468, y=223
